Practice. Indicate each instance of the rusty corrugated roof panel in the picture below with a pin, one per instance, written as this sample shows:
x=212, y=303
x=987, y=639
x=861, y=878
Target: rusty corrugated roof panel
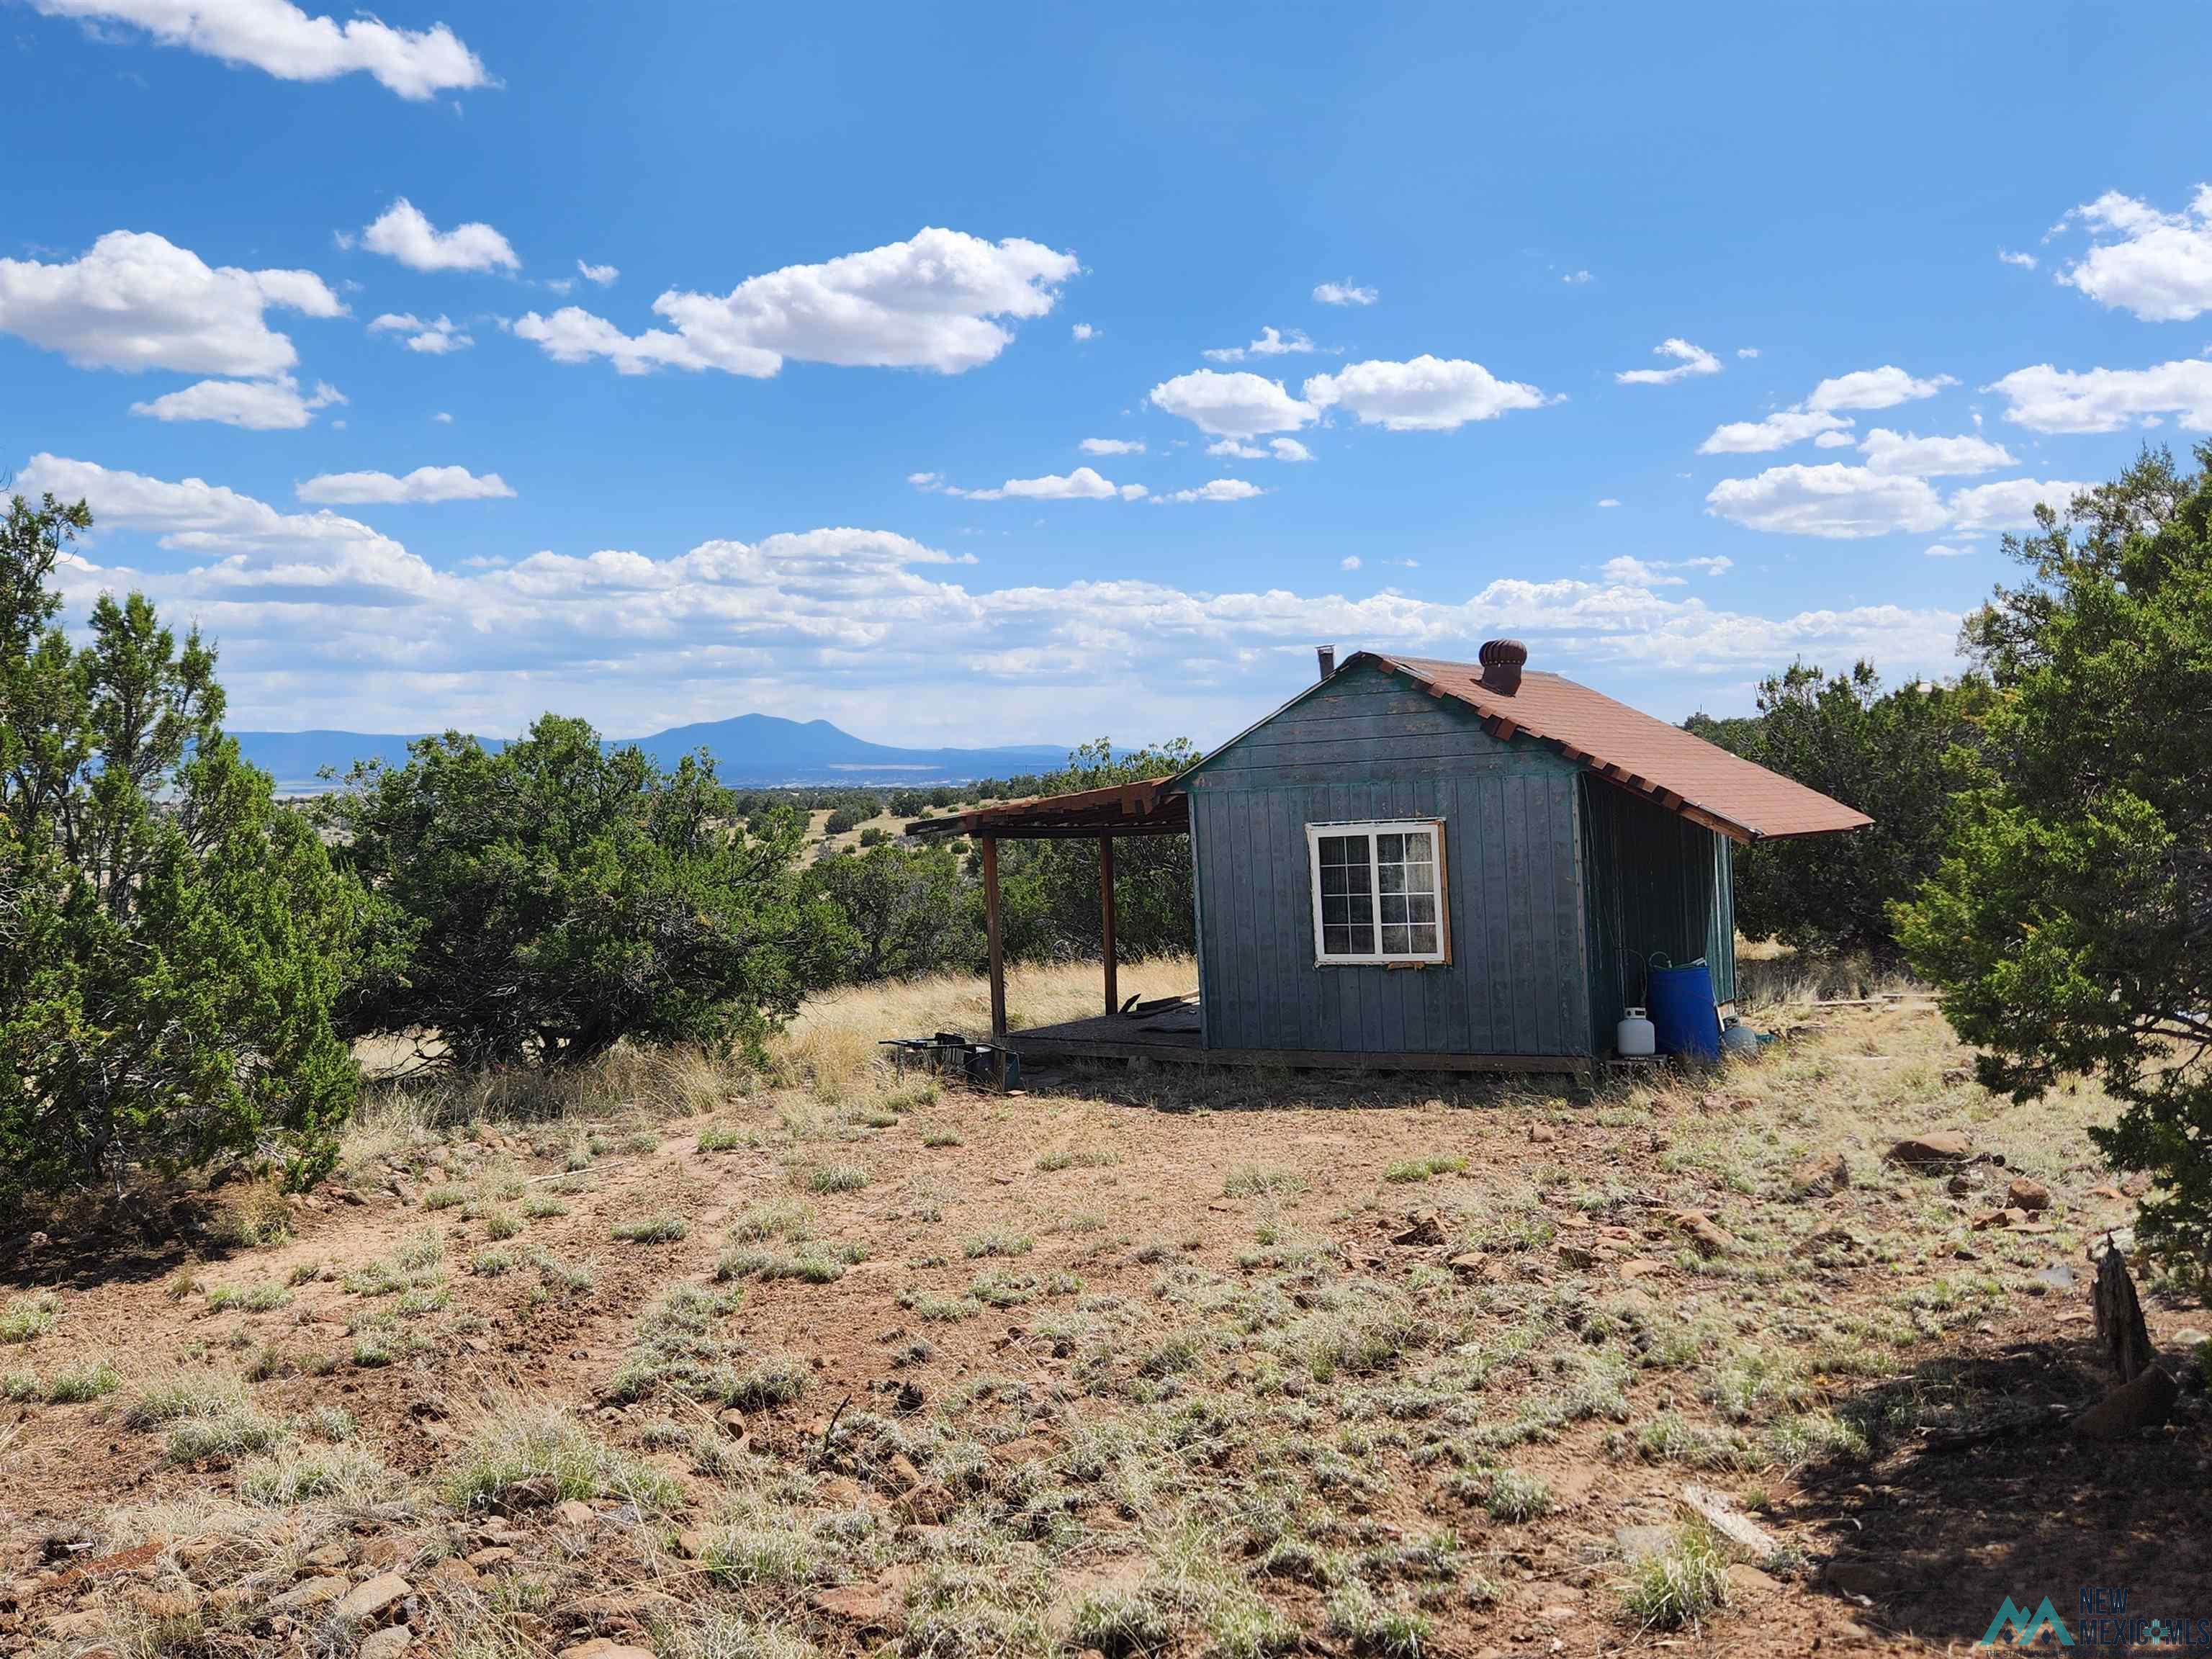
x=1142, y=808
x=1679, y=770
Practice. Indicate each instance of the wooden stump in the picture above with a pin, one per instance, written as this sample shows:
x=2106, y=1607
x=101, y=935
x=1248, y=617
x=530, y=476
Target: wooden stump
x=2120, y=1326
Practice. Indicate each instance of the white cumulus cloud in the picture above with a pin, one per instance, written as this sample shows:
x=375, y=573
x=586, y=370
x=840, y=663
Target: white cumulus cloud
x=1426, y=394
x=1345, y=294
x=1907, y=453
x=1816, y=417
x=2157, y=266
x=325, y=621
x=603, y=275
x=2026, y=262
x=930, y=302
x=424, y=484
x=1875, y=388
x=2010, y=505
x=280, y=38
x=1217, y=490
x=271, y=405
x=1271, y=343
x=435, y=337
x=1084, y=484
x=1688, y=360
x=137, y=300
x=1112, y=446
x=1832, y=501
x=402, y=232
x=1776, y=431
x=1241, y=404
x=2047, y=399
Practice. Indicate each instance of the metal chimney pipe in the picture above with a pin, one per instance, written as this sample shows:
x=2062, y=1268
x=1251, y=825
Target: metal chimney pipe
x=1327, y=654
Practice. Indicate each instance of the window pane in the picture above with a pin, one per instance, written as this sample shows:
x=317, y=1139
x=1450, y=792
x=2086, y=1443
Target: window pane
x=1347, y=896
x=1421, y=940
x=1390, y=849
x=1421, y=907
x=1396, y=940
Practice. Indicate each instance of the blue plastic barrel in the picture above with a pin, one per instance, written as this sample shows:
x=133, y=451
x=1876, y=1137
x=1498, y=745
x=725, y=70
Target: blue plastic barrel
x=1680, y=1000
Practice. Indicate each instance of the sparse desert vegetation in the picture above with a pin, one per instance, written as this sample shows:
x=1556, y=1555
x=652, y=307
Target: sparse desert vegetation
x=809, y=1358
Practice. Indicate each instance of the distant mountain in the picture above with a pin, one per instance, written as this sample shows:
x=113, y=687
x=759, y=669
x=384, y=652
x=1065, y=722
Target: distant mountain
x=750, y=749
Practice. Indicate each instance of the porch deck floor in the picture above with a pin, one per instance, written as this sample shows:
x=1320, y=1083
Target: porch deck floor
x=1172, y=1036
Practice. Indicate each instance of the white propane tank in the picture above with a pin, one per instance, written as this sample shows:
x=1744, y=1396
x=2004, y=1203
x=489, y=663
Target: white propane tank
x=1635, y=1035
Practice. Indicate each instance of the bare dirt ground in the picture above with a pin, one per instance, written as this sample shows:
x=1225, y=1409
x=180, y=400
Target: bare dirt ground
x=825, y=1360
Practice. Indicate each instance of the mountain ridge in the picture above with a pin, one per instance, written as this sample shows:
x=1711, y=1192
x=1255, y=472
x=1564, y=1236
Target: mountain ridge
x=758, y=749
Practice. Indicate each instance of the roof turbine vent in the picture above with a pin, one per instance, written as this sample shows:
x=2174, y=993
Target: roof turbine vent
x=1501, y=661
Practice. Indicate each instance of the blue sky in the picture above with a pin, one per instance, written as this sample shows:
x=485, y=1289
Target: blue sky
x=876, y=281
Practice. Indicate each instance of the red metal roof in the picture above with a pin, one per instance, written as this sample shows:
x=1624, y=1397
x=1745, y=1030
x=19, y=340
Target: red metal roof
x=1681, y=771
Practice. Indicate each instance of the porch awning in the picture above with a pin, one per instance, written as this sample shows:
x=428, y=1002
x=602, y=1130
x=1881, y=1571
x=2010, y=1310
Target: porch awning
x=1146, y=807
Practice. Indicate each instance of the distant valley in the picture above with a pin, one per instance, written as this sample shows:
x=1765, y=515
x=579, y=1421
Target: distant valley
x=750, y=749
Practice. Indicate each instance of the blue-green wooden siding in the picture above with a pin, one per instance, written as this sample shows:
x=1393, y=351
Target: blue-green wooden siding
x=1653, y=881
x=1369, y=745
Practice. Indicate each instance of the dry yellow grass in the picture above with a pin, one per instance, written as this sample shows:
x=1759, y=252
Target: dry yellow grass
x=832, y=1046
x=1169, y=1379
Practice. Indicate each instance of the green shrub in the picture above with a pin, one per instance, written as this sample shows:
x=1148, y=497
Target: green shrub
x=176, y=941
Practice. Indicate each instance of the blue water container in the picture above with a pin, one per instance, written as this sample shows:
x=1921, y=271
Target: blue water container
x=1683, y=1008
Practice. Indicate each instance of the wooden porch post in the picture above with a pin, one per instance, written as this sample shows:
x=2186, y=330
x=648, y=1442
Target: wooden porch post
x=1106, y=920
x=990, y=849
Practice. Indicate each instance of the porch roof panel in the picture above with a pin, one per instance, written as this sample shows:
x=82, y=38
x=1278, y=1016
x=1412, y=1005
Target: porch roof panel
x=1146, y=807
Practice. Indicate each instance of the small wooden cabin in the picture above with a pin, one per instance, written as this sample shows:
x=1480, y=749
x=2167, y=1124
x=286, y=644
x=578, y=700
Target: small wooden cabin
x=1427, y=865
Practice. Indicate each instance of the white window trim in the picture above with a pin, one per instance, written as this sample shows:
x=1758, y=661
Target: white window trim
x=1372, y=828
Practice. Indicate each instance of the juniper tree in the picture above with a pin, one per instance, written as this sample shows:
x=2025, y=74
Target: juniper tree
x=2070, y=925
x=172, y=939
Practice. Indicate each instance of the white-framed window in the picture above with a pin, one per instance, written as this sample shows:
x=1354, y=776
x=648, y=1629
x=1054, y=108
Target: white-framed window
x=1378, y=892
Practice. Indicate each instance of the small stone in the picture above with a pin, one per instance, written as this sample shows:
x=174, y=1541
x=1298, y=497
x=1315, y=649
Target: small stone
x=536, y=1492
x=1825, y=1175
x=1959, y=1185
x=1748, y=1580
x=574, y=1513
x=492, y=1555
x=1542, y=1134
x=387, y=1589
x=1576, y=1255
x=309, y=1593
x=1421, y=1229
x=1637, y=1543
x=2026, y=1195
x=2108, y=1192
x=75, y=1626
x=329, y=1555
x=1470, y=1264
x=1937, y=1147
x=692, y=1544
x=869, y=1607
x=387, y=1643
x=1859, y=1578
x=600, y=1647
x=1750, y=1541
x=926, y=1505
x=1706, y=1234
x=1641, y=1267
x=902, y=1467
x=2145, y=1403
